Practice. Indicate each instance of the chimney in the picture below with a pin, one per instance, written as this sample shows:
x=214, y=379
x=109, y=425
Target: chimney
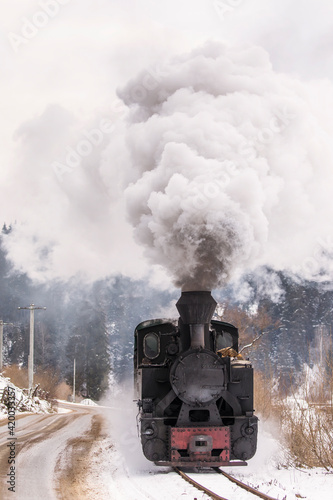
x=196, y=309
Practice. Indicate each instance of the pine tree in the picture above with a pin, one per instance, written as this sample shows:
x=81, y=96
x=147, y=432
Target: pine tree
x=89, y=345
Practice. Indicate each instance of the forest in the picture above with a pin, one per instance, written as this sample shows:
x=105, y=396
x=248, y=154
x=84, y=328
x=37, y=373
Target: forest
x=94, y=323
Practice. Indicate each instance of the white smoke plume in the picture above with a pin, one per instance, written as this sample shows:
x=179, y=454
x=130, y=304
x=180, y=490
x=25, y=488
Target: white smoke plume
x=230, y=166
x=222, y=164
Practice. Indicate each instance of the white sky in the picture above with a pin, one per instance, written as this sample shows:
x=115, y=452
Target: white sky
x=88, y=48
x=75, y=60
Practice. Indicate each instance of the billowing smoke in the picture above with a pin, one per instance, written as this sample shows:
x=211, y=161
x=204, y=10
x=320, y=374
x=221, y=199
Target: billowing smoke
x=230, y=166
x=222, y=164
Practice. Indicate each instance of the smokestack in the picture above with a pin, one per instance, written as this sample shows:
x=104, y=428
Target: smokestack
x=196, y=310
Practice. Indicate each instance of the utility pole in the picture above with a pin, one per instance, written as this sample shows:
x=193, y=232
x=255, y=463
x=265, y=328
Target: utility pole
x=1, y=341
x=74, y=382
x=32, y=309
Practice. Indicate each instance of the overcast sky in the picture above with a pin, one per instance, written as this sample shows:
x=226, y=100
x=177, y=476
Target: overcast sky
x=61, y=63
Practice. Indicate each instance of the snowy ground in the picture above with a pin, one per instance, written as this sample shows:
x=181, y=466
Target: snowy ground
x=124, y=472
x=113, y=466
x=21, y=401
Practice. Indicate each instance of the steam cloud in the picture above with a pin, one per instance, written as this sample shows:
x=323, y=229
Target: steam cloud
x=230, y=166
x=225, y=165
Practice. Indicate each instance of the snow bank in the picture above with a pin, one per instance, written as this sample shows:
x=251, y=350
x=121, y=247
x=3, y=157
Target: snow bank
x=88, y=402
x=25, y=400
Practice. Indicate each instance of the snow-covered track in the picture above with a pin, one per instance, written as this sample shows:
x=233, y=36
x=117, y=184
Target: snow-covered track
x=243, y=485
x=215, y=496
x=198, y=486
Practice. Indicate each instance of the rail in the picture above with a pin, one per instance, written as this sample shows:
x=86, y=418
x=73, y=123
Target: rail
x=243, y=485
x=215, y=496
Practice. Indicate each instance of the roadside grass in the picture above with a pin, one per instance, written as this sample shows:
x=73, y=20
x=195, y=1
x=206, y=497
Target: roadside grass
x=304, y=415
x=50, y=385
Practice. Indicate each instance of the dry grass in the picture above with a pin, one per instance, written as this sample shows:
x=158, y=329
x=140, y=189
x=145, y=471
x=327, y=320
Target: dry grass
x=263, y=395
x=305, y=417
x=308, y=433
x=307, y=421
x=63, y=391
x=17, y=375
x=49, y=382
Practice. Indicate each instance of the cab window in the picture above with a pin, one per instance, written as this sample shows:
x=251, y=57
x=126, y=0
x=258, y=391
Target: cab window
x=224, y=340
x=151, y=345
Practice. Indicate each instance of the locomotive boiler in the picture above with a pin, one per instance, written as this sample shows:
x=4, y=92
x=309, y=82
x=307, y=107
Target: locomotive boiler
x=195, y=396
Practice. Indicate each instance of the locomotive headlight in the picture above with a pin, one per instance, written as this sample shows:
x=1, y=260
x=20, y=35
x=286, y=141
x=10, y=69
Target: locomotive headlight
x=149, y=430
x=197, y=377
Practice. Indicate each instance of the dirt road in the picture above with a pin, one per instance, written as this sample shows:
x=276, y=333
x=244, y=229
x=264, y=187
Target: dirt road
x=48, y=457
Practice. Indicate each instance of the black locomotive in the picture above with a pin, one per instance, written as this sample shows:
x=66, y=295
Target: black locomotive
x=195, y=396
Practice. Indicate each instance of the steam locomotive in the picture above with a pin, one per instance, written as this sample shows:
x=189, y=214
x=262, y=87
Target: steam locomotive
x=195, y=396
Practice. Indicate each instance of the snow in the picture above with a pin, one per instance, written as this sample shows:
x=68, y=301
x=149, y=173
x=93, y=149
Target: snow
x=88, y=402
x=23, y=401
x=120, y=471
x=64, y=410
x=125, y=473
x=265, y=472
x=36, y=463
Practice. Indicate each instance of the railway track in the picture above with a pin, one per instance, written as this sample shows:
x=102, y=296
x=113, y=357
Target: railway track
x=215, y=496
x=198, y=486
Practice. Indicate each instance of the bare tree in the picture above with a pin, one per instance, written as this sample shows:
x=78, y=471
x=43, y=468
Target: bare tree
x=252, y=325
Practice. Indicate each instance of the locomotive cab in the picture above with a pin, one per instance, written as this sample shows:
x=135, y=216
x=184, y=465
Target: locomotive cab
x=195, y=404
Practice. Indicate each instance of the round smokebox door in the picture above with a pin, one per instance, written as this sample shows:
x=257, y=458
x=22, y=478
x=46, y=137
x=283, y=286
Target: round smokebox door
x=197, y=377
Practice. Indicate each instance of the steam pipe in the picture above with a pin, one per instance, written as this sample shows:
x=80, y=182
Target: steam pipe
x=197, y=336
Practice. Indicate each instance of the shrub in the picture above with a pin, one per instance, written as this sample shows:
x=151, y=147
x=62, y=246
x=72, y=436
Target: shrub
x=17, y=375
